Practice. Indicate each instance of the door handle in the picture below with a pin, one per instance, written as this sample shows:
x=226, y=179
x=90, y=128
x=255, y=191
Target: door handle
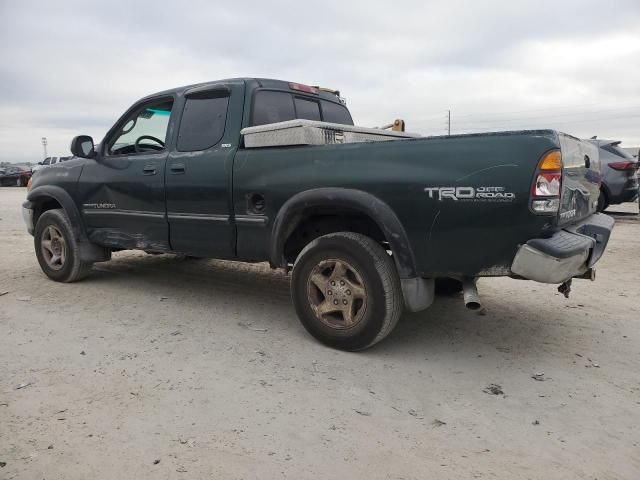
x=149, y=169
x=177, y=168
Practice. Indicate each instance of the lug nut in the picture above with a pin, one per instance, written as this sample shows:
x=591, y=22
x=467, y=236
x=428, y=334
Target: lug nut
x=333, y=284
x=348, y=292
x=335, y=302
x=341, y=282
x=344, y=302
x=329, y=292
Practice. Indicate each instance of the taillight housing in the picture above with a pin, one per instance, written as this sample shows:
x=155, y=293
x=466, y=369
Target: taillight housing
x=624, y=165
x=547, y=186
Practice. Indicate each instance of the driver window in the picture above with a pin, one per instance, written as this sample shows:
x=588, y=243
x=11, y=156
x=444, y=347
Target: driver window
x=145, y=131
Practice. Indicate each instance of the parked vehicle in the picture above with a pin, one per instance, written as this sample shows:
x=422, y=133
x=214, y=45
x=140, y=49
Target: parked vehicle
x=619, y=172
x=14, y=175
x=48, y=161
x=366, y=220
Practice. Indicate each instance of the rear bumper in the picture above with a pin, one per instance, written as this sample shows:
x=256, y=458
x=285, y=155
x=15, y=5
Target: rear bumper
x=625, y=193
x=566, y=254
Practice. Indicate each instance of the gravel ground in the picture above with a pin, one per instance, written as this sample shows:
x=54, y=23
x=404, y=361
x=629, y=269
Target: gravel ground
x=157, y=367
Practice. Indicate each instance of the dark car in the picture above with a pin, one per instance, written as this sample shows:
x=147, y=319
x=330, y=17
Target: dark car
x=619, y=180
x=14, y=176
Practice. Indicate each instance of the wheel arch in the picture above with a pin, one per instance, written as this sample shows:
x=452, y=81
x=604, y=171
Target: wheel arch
x=48, y=197
x=342, y=202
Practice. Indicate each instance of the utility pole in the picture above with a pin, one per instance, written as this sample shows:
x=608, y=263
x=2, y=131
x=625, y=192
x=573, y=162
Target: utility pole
x=449, y=122
x=44, y=145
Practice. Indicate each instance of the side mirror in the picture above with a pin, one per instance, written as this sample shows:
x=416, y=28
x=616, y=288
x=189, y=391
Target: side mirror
x=82, y=146
x=40, y=163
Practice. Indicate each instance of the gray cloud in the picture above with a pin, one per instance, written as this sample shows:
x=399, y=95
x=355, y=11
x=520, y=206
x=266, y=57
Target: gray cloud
x=73, y=67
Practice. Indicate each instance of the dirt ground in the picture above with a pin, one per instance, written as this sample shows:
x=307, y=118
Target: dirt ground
x=157, y=367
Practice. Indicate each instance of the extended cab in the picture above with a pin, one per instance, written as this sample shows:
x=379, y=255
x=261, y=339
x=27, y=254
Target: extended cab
x=368, y=220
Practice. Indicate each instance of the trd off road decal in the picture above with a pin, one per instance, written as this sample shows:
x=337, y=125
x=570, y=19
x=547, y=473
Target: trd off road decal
x=470, y=194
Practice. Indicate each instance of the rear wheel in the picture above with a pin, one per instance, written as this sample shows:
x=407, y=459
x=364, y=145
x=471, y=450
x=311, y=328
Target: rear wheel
x=346, y=291
x=56, y=248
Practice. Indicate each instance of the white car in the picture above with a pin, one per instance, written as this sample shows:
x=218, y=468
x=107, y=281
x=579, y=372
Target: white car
x=48, y=161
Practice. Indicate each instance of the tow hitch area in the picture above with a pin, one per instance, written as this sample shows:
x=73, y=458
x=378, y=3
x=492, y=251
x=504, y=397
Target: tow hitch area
x=565, y=288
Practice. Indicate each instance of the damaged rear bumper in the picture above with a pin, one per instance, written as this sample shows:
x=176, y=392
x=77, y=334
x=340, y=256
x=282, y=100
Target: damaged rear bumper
x=567, y=253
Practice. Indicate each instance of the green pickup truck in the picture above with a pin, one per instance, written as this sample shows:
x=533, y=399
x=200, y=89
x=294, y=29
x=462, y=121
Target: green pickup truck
x=370, y=222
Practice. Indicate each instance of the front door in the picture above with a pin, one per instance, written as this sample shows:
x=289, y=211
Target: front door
x=121, y=191
x=198, y=175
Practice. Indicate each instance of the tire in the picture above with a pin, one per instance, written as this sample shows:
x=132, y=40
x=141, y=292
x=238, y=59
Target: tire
x=370, y=311
x=603, y=202
x=52, y=226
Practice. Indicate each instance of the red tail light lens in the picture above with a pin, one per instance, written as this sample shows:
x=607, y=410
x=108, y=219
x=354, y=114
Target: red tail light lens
x=624, y=165
x=547, y=185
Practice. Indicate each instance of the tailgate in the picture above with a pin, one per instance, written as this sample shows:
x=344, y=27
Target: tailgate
x=580, y=179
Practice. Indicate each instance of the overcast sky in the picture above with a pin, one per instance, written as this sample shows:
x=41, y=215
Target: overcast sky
x=69, y=68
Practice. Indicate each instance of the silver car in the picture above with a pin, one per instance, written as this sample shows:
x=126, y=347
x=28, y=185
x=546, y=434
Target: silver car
x=619, y=179
x=48, y=161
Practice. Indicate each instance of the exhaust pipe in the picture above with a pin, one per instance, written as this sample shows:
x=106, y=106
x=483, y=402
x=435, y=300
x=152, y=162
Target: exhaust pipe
x=470, y=294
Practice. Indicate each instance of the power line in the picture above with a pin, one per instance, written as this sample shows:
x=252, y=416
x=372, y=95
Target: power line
x=505, y=116
x=548, y=122
x=554, y=109
x=618, y=113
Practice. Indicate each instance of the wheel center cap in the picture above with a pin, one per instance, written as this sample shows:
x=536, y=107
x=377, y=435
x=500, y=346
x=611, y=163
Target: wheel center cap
x=339, y=291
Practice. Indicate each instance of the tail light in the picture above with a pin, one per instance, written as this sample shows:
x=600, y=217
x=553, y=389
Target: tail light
x=624, y=165
x=545, y=192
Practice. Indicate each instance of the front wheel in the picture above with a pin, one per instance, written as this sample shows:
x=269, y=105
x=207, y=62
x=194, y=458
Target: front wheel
x=56, y=248
x=346, y=291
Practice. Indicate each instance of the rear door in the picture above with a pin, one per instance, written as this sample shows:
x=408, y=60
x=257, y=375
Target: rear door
x=580, y=179
x=198, y=177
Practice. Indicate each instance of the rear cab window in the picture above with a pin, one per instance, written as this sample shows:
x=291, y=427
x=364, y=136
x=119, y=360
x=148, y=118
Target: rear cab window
x=334, y=113
x=307, y=109
x=271, y=106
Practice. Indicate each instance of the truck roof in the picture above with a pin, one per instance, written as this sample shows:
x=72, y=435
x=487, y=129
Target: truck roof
x=268, y=83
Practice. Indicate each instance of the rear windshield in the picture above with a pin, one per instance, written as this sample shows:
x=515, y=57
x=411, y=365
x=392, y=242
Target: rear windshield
x=616, y=150
x=274, y=107
x=307, y=109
